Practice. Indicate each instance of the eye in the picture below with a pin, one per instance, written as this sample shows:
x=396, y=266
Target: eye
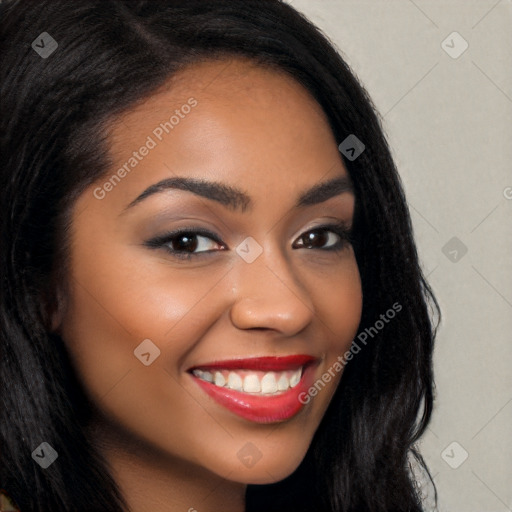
x=191, y=242
x=327, y=238
x=185, y=243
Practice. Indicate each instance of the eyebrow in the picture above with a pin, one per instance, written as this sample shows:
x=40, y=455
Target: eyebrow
x=236, y=199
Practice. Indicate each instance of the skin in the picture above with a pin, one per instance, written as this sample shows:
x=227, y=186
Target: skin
x=170, y=447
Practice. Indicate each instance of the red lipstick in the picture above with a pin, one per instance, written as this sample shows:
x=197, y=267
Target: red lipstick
x=275, y=406
x=275, y=363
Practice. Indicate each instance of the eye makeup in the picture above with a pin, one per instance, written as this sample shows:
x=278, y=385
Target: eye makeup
x=188, y=238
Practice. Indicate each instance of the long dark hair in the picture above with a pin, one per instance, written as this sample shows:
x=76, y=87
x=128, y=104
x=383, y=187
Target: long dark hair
x=54, y=113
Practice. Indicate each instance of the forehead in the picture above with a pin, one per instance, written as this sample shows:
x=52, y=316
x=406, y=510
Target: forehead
x=238, y=83
x=229, y=120
x=235, y=91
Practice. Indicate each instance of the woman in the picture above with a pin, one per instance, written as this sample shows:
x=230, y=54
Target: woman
x=211, y=295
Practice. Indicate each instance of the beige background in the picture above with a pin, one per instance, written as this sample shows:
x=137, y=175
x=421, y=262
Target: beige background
x=449, y=123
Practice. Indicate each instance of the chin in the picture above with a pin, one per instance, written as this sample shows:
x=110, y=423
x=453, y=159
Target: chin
x=274, y=467
x=269, y=475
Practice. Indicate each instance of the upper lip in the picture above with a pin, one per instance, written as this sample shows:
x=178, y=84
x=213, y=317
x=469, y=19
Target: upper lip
x=270, y=363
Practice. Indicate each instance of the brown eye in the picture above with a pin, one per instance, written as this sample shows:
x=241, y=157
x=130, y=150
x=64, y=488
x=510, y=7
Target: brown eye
x=315, y=239
x=325, y=238
x=186, y=242
x=191, y=243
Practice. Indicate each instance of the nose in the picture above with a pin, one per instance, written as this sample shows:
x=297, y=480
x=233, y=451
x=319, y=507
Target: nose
x=268, y=295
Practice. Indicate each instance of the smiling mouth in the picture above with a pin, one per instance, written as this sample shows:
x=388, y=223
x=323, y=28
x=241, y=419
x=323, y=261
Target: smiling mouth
x=262, y=389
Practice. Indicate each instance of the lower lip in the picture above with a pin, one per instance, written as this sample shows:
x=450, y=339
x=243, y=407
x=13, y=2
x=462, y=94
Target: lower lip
x=258, y=408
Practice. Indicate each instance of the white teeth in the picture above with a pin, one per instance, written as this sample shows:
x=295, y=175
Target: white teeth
x=235, y=381
x=282, y=383
x=268, y=383
x=295, y=378
x=252, y=384
x=219, y=379
x=207, y=376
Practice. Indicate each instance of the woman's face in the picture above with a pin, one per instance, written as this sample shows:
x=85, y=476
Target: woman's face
x=255, y=275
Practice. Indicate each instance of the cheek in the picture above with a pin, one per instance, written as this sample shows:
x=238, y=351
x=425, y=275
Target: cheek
x=342, y=303
x=338, y=299
x=113, y=310
x=115, y=305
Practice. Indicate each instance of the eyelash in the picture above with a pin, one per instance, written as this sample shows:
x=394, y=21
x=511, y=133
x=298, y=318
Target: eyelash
x=164, y=240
